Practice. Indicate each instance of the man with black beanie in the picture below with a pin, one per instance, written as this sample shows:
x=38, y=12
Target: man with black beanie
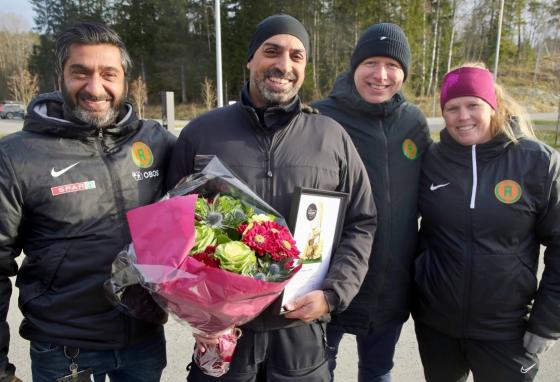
x=275, y=145
x=391, y=136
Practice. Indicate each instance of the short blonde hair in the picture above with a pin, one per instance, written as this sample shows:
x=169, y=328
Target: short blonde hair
x=508, y=113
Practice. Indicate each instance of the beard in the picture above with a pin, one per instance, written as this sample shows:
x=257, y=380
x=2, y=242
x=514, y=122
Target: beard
x=272, y=96
x=87, y=116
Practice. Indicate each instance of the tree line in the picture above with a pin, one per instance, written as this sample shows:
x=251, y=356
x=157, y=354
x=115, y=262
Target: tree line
x=172, y=42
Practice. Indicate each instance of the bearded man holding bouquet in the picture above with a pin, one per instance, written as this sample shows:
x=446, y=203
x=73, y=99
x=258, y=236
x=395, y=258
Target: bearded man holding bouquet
x=275, y=144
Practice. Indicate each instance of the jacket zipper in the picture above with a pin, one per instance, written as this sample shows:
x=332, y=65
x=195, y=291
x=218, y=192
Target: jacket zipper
x=266, y=146
x=475, y=177
x=114, y=181
x=383, y=274
x=118, y=202
x=469, y=259
x=268, y=166
x=272, y=145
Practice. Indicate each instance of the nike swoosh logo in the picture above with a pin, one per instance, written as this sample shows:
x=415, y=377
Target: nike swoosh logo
x=56, y=174
x=433, y=188
x=526, y=370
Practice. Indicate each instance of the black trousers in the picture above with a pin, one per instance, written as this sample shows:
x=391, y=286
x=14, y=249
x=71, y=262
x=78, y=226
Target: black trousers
x=448, y=359
x=283, y=355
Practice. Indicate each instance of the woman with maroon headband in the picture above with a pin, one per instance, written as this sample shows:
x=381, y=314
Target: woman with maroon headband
x=489, y=197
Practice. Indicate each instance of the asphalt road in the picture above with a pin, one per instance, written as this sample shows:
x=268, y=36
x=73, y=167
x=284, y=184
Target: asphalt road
x=435, y=123
x=179, y=345
x=8, y=126
x=179, y=342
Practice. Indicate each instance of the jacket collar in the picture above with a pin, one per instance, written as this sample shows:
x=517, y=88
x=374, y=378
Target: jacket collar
x=271, y=118
x=485, y=152
x=344, y=91
x=46, y=114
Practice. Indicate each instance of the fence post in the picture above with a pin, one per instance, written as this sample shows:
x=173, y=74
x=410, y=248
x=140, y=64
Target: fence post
x=168, y=110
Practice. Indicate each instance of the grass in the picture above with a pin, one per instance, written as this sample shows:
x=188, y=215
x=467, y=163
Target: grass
x=539, y=122
x=182, y=111
x=548, y=137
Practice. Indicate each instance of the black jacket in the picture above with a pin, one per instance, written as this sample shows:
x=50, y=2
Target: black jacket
x=64, y=191
x=276, y=152
x=391, y=138
x=479, y=241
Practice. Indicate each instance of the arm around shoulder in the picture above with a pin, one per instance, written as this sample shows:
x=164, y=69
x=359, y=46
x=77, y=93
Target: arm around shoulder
x=350, y=260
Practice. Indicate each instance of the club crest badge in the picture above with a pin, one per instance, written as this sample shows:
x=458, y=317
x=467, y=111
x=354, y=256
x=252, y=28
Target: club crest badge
x=409, y=149
x=508, y=191
x=142, y=155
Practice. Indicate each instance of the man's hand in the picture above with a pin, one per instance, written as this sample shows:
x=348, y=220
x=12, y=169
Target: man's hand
x=308, y=307
x=202, y=341
x=536, y=344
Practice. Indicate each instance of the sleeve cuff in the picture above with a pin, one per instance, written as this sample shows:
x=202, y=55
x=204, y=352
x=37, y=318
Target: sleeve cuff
x=332, y=300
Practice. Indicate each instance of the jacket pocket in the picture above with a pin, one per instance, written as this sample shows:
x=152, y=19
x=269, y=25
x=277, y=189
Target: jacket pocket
x=39, y=347
x=502, y=288
x=38, y=271
x=437, y=287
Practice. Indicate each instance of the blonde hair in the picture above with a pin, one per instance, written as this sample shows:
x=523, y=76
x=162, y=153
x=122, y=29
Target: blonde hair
x=508, y=113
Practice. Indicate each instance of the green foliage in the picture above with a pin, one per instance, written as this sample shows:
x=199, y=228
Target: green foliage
x=172, y=42
x=51, y=18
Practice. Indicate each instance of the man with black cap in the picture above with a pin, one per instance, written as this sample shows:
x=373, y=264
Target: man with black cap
x=275, y=145
x=391, y=136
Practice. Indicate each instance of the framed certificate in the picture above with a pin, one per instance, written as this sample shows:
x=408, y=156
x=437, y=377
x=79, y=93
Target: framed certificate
x=316, y=221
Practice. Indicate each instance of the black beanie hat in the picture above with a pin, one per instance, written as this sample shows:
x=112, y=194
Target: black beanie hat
x=277, y=24
x=385, y=40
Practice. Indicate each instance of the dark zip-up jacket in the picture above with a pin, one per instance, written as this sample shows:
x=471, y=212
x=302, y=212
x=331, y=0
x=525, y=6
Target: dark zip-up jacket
x=64, y=191
x=486, y=209
x=391, y=138
x=282, y=149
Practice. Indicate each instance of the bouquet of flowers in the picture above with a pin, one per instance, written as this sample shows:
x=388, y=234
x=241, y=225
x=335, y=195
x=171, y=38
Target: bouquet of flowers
x=230, y=236
x=213, y=254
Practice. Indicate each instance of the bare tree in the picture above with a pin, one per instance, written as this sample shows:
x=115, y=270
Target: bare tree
x=424, y=48
x=315, y=55
x=138, y=93
x=23, y=86
x=15, y=48
x=453, y=26
x=13, y=23
x=435, y=47
x=208, y=93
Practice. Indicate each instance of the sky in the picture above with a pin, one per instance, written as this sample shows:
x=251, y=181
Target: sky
x=21, y=8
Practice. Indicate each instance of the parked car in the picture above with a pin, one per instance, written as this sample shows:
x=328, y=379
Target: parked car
x=11, y=111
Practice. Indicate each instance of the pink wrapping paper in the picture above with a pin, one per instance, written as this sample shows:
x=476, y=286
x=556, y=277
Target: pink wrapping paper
x=210, y=299
x=163, y=232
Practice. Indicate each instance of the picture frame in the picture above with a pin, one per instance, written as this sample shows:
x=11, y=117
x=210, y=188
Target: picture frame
x=316, y=221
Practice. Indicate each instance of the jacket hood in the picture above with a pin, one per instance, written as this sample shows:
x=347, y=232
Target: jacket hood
x=45, y=115
x=345, y=92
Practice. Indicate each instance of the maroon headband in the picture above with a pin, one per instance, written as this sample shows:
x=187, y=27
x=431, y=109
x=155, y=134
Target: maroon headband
x=468, y=81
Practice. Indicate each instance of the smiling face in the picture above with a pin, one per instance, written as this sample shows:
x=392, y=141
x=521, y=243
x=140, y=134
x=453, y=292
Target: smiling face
x=277, y=70
x=93, y=83
x=378, y=79
x=467, y=119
